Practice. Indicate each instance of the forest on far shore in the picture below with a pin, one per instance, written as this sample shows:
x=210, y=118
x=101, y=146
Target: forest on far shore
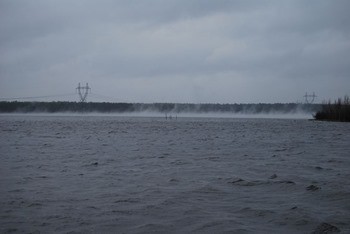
x=108, y=107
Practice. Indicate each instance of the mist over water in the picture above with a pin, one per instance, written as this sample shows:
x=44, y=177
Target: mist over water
x=174, y=113
x=93, y=173
x=175, y=116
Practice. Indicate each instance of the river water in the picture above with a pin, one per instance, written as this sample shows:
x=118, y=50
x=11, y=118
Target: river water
x=112, y=174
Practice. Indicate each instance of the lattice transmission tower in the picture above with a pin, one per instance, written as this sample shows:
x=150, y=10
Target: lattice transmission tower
x=83, y=92
x=310, y=98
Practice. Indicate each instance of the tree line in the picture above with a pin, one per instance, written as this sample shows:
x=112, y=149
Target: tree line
x=339, y=110
x=108, y=107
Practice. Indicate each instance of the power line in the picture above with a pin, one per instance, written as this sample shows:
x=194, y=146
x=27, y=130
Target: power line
x=105, y=98
x=36, y=97
x=82, y=92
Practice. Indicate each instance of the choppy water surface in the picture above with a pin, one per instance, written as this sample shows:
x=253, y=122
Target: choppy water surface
x=191, y=175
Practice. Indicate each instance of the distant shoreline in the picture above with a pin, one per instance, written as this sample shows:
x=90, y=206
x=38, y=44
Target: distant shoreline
x=164, y=108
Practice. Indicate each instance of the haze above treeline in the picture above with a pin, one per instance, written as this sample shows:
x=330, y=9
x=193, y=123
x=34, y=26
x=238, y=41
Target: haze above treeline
x=108, y=107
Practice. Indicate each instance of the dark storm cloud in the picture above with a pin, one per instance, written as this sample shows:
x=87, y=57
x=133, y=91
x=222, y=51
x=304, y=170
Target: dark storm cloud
x=201, y=51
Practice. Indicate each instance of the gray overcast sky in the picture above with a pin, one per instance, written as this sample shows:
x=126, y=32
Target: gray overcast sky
x=176, y=50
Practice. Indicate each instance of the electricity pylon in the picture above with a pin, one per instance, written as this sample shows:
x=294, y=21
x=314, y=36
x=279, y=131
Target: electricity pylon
x=309, y=99
x=83, y=92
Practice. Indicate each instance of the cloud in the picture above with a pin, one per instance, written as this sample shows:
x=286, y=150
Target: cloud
x=181, y=51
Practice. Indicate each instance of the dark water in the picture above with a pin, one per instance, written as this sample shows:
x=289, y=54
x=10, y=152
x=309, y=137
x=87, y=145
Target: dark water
x=108, y=174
